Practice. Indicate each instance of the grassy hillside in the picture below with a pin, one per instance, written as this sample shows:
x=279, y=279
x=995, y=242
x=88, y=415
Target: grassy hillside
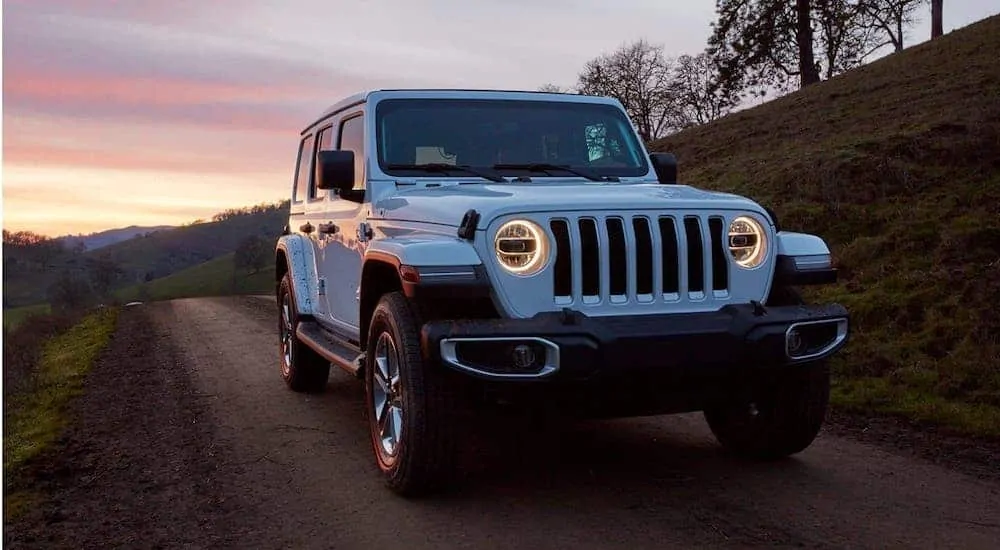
x=166, y=252
x=216, y=277
x=897, y=165
x=30, y=271
x=13, y=317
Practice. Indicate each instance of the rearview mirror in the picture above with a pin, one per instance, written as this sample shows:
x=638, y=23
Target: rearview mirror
x=665, y=165
x=335, y=170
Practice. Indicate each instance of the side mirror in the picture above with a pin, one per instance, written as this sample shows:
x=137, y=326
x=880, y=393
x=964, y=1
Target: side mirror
x=665, y=165
x=335, y=170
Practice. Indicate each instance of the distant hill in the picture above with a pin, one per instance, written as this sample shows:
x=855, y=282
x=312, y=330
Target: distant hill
x=159, y=254
x=95, y=241
x=33, y=265
x=216, y=277
x=897, y=165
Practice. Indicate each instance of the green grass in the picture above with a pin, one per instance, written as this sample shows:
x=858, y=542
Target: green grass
x=897, y=165
x=33, y=419
x=13, y=317
x=215, y=277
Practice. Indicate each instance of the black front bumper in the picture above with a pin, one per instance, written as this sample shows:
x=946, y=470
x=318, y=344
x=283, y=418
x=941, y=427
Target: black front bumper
x=736, y=339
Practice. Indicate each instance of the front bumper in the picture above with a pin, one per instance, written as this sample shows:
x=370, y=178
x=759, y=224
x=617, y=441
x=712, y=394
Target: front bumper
x=568, y=346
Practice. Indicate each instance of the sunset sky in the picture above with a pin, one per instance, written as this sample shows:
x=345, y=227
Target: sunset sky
x=161, y=112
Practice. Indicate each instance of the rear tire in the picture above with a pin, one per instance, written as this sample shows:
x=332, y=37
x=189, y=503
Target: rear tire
x=302, y=369
x=784, y=414
x=410, y=405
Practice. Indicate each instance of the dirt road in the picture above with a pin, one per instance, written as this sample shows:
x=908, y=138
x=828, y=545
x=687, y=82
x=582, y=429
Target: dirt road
x=188, y=438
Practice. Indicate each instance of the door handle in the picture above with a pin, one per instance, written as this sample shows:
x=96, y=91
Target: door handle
x=306, y=227
x=329, y=228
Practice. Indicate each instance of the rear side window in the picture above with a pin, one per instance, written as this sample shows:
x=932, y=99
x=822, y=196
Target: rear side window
x=352, y=138
x=303, y=172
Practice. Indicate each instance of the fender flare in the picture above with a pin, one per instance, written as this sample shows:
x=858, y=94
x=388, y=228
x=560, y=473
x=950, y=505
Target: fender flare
x=445, y=268
x=297, y=253
x=424, y=251
x=800, y=244
x=803, y=259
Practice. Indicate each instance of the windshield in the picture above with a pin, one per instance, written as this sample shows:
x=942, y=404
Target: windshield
x=507, y=137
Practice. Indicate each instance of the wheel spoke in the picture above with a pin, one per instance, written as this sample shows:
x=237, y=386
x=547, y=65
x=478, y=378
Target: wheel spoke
x=379, y=375
x=387, y=400
x=396, y=414
x=383, y=421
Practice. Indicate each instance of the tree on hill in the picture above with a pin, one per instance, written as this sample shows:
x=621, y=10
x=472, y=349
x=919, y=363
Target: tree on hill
x=555, y=88
x=937, y=18
x=69, y=293
x=25, y=250
x=638, y=75
x=253, y=253
x=891, y=18
x=697, y=99
x=104, y=272
x=760, y=44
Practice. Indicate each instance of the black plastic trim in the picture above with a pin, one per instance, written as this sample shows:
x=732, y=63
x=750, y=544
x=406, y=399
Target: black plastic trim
x=785, y=273
x=475, y=285
x=467, y=229
x=330, y=347
x=736, y=338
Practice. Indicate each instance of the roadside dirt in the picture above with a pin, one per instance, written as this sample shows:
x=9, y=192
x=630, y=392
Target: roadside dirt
x=187, y=437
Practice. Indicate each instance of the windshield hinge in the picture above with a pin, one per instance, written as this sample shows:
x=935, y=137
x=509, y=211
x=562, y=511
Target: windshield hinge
x=467, y=229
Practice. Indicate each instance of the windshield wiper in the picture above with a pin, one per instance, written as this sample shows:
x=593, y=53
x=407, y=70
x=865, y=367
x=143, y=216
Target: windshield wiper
x=441, y=168
x=548, y=168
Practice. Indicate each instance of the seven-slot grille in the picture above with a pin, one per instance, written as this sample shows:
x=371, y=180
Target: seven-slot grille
x=639, y=258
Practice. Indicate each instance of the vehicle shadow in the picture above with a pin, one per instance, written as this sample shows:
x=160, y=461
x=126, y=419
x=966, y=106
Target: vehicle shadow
x=663, y=451
x=508, y=449
x=659, y=479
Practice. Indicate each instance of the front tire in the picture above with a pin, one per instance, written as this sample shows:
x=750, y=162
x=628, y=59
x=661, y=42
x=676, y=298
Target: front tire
x=302, y=369
x=783, y=416
x=410, y=405
x=781, y=419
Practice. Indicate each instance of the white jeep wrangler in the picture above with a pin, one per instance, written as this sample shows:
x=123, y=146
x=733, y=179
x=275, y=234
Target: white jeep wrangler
x=456, y=247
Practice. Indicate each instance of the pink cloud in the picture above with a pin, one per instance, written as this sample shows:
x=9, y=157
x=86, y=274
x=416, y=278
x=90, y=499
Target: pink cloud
x=145, y=91
x=157, y=160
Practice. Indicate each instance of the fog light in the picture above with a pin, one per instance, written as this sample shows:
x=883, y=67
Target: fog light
x=523, y=356
x=795, y=343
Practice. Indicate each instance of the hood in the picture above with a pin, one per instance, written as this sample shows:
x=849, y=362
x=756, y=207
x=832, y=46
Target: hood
x=448, y=203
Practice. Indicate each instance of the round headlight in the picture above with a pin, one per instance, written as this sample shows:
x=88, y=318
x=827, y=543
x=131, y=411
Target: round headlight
x=747, y=242
x=521, y=247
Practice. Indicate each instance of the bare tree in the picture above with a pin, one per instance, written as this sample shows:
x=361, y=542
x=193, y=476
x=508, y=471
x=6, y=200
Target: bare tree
x=763, y=44
x=697, y=97
x=891, y=18
x=937, y=18
x=847, y=35
x=808, y=71
x=554, y=88
x=638, y=75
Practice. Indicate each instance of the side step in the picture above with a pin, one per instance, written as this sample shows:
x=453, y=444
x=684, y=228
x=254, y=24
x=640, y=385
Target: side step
x=341, y=354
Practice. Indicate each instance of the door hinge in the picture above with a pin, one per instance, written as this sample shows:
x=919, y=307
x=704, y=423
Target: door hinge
x=364, y=232
x=322, y=287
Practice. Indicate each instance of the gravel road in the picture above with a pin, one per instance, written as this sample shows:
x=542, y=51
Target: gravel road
x=187, y=437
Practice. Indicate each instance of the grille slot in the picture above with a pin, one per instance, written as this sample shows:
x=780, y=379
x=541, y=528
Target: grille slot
x=720, y=265
x=617, y=258
x=695, y=255
x=643, y=258
x=639, y=259
x=590, y=258
x=669, y=258
x=563, y=275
